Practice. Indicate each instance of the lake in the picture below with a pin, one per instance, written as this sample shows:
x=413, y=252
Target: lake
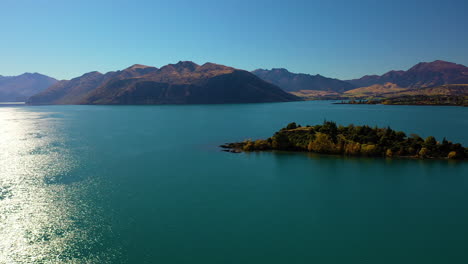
x=148, y=184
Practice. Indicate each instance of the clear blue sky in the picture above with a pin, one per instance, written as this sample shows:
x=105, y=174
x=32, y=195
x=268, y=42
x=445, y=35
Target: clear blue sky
x=341, y=39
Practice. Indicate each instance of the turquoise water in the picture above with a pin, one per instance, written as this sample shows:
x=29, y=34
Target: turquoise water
x=148, y=184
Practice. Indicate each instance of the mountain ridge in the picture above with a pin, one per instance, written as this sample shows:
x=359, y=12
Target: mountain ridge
x=184, y=82
x=423, y=74
x=21, y=87
x=295, y=82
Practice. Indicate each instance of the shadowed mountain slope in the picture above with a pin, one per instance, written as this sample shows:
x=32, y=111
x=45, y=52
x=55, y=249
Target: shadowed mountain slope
x=294, y=82
x=181, y=83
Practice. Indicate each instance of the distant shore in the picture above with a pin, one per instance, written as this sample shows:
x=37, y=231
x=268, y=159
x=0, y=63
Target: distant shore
x=440, y=100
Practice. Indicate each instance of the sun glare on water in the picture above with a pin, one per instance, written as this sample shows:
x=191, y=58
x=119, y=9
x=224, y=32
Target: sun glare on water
x=40, y=217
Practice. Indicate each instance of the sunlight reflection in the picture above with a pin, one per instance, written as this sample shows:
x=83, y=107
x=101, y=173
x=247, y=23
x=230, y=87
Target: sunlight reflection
x=39, y=221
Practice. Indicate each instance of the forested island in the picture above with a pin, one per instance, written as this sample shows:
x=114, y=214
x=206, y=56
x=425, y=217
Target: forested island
x=351, y=140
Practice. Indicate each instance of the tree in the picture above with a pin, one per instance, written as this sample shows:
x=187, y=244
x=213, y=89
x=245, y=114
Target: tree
x=430, y=141
x=280, y=141
x=249, y=146
x=369, y=150
x=330, y=128
x=453, y=155
x=389, y=153
x=423, y=153
x=292, y=125
x=352, y=148
x=321, y=144
x=262, y=145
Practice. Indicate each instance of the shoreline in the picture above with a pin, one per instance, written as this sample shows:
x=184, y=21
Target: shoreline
x=357, y=141
x=226, y=148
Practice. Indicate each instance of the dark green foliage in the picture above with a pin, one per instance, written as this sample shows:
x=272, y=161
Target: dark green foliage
x=292, y=125
x=280, y=141
x=330, y=129
x=329, y=138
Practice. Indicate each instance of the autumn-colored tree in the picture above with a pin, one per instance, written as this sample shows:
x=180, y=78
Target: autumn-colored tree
x=453, y=155
x=389, y=153
x=249, y=146
x=423, y=153
x=352, y=148
x=321, y=144
x=369, y=150
x=262, y=144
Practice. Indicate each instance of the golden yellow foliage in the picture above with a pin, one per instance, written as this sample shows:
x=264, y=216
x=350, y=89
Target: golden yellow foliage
x=452, y=155
x=389, y=153
x=321, y=144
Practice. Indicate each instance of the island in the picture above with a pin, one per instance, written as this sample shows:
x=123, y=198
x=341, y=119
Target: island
x=351, y=140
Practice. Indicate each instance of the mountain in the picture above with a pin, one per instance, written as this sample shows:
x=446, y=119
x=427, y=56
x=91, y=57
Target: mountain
x=75, y=90
x=21, y=87
x=294, y=82
x=181, y=83
x=424, y=74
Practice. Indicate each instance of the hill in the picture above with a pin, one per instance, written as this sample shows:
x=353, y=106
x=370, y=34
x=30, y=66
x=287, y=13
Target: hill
x=374, y=90
x=316, y=95
x=21, y=87
x=181, y=83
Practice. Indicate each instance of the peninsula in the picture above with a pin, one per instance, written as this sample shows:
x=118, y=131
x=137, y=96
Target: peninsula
x=329, y=138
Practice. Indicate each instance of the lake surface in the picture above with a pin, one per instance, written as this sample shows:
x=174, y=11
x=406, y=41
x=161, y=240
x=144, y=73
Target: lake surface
x=148, y=184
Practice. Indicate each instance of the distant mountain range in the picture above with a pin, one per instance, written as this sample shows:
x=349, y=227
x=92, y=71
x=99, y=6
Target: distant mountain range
x=424, y=74
x=295, y=82
x=181, y=83
x=190, y=83
x=19, y=88
x=421, y=76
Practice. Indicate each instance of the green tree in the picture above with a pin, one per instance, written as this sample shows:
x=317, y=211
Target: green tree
x=330, y=129
x=292, y=125
x=430, y=142
x=280, y=141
